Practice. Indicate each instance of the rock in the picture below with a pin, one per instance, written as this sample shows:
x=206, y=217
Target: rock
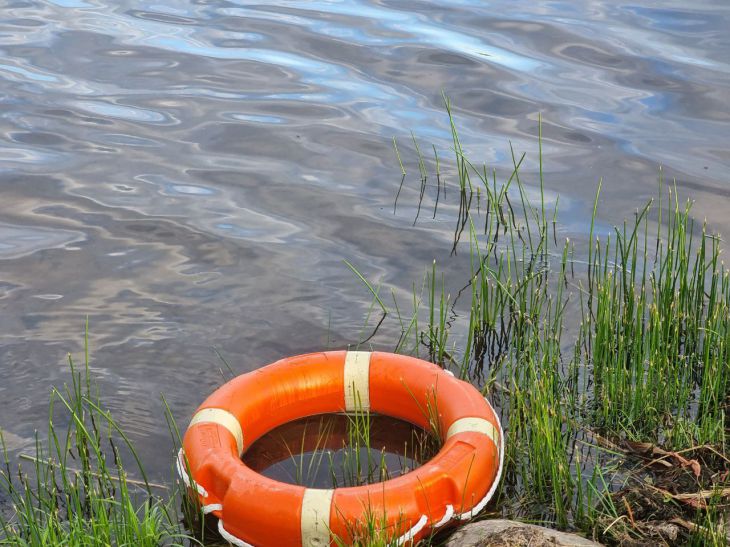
x=509, y=533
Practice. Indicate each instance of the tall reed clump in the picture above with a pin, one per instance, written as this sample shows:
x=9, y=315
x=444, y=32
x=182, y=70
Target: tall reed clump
x=585, y=352
x=657, y=331
x=77, y=491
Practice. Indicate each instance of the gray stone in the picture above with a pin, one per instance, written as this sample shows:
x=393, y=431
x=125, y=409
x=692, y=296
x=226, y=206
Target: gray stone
x=509, y=533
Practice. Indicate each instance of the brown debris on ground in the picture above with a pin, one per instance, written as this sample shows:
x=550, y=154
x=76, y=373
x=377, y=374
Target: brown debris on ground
x=668, y=494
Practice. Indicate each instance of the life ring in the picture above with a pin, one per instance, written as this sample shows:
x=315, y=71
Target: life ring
x=257, y=511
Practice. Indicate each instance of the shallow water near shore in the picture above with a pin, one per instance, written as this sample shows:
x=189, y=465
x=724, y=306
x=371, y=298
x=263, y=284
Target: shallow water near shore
x=330, y=451
x=192, y=176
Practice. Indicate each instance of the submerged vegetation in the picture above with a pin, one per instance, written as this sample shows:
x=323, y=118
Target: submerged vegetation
x=608, y=357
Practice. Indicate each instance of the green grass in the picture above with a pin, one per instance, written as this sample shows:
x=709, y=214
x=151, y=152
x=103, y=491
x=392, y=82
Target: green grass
x=372, y=530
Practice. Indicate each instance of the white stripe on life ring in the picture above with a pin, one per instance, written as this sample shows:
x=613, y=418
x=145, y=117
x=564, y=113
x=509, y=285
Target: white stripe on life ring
x=492, y=489
x=357, y=381
x=223, y=418
x=316, y=507
x=477, y=425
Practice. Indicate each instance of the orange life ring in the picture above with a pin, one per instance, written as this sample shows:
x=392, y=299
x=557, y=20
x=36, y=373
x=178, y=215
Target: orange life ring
x=254, y=510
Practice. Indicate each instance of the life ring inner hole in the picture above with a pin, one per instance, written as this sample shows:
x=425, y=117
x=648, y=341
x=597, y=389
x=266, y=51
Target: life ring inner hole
x=341, y=450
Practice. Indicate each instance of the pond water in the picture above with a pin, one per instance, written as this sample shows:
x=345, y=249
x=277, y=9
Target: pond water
x=337, y=450
x=192, y=174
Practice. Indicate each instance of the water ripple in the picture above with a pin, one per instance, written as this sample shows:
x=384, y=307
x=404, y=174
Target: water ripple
x=17, y=241
x=192, y=174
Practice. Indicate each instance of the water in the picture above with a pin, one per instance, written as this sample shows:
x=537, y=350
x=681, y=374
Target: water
x=191, y=175
x=331, y=451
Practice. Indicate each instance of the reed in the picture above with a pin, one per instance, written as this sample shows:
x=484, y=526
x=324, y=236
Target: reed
x=627, y=341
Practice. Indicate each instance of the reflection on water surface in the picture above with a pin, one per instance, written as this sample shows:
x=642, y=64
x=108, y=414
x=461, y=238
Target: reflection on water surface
x=191, y=175
x=335, y=450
